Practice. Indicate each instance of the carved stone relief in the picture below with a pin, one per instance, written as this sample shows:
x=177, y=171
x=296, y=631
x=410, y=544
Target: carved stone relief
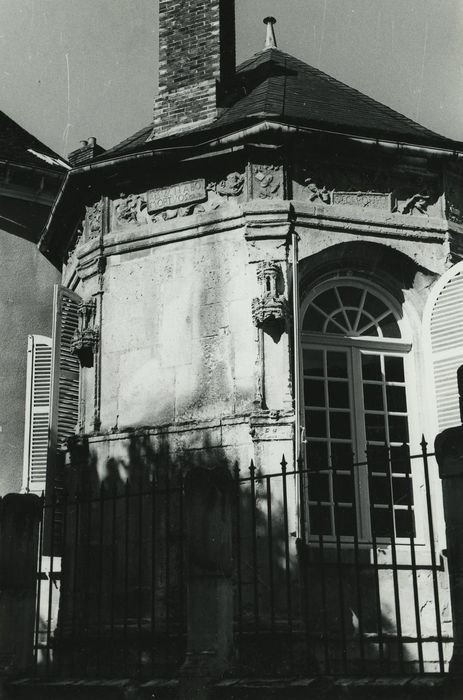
x=270, y=308
x=376, y=188
x=454, y=198
x=267, y=181
x=84, y=343
x=94, y=220
x=130, y=209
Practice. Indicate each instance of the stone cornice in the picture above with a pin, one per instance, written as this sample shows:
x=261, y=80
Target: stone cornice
x=153, y=235
x=366, y=222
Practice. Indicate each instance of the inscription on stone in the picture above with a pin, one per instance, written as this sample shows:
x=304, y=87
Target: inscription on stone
x=176, y=195
x=367, y=200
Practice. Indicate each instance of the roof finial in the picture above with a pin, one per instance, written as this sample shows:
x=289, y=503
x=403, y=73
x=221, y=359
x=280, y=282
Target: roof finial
x=270, y=40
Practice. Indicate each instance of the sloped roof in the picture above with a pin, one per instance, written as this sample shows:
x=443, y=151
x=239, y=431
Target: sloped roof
x=275, y=85
x=19, y=146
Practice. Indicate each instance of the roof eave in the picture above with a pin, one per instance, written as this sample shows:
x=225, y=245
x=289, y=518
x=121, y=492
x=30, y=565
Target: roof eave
x=229, y=139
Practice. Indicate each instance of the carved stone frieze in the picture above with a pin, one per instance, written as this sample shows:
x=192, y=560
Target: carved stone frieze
x=454, y=198
x=379, y=188
x=417, y=204
x=130, y=209
x=84, y=343
x=94, y=220
x=231, y=186
x=270, y=309
x=267, y=181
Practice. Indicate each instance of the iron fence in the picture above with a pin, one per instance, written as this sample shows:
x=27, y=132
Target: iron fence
x=326, y=584
x=110, y=581
x=338, y=570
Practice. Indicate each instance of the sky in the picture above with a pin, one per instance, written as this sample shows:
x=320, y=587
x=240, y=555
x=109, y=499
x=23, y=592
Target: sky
x=71, y=69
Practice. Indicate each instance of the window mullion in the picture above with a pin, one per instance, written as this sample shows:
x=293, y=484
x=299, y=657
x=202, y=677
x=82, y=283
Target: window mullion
x=360, y=444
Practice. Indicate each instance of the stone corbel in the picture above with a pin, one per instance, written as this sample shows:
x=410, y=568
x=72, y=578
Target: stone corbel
x=84, y=343
x=270, y=309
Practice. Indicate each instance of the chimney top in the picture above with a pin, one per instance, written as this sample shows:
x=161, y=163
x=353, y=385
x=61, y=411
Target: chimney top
x=270, y=39
x=88, y=150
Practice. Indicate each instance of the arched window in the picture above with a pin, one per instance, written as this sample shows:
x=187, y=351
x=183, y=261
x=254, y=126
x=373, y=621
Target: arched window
x=356, y=413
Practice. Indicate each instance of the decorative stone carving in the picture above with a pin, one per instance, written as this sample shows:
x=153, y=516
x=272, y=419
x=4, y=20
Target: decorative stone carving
x=316, y=193
x=84, y=343
x=454, y=198
x=418, y=204
x=94, y=220
x=379, y=188
x=130, y=209
x=231, y=186
x=268, y=181
x=270, y=309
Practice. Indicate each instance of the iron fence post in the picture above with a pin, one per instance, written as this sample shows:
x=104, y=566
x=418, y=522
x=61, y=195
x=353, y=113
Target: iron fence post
x=449, y=455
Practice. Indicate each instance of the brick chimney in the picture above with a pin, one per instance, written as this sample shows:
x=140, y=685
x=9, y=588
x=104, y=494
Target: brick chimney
x=196, y=59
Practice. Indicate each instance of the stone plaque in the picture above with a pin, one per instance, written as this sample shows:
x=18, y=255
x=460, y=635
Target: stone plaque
x=365, y=200
x=180, y=195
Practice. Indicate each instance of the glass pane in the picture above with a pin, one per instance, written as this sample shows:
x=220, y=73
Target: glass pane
x=313, y=320
x=313, y=362
x=343, y=488
x=402, y=491
x=314, y=392
x=375, y=429
x=371, y=367
x=341, y=455
x=351, y=296
x=382, y=522
x=378, y=458
x=398, y=429
x=327, y=301
x=367, y=326
x=320, y=520
x=334, y=328
x=317, y=455
x=338, y=393
x=396, y=400
x=340, y=425
x=400, y=458
x=390, y=327
x=337, y=364
x=319, y=487
x=373, y=397
x=344, y=521
x=404, y=523
x=374, y=305
x=352, y=316
x=394, y=367
x=315, y=423
x=380, y=490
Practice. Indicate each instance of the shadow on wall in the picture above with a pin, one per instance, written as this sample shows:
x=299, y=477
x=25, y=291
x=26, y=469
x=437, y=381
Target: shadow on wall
x=297, y=608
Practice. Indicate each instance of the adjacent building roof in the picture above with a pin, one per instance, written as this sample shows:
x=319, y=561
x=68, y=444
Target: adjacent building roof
x=274, y=85
x=19, y=146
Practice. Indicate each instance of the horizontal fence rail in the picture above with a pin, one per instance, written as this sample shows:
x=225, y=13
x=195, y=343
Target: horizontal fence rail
x=335, y=575
x=336, y=570
x=110, y=582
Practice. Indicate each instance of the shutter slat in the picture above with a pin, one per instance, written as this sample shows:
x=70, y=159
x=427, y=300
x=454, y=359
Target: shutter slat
x=446, y=326
x=65, y=382
x=38, y=400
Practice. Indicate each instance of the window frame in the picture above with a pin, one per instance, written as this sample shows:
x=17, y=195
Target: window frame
x=355, y=346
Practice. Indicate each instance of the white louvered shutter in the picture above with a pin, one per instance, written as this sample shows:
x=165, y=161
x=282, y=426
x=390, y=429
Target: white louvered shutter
x=446, y=330
x=65, y=383
x=38, y=399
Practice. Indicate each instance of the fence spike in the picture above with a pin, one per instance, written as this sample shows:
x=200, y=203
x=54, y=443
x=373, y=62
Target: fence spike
x=283, y=463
